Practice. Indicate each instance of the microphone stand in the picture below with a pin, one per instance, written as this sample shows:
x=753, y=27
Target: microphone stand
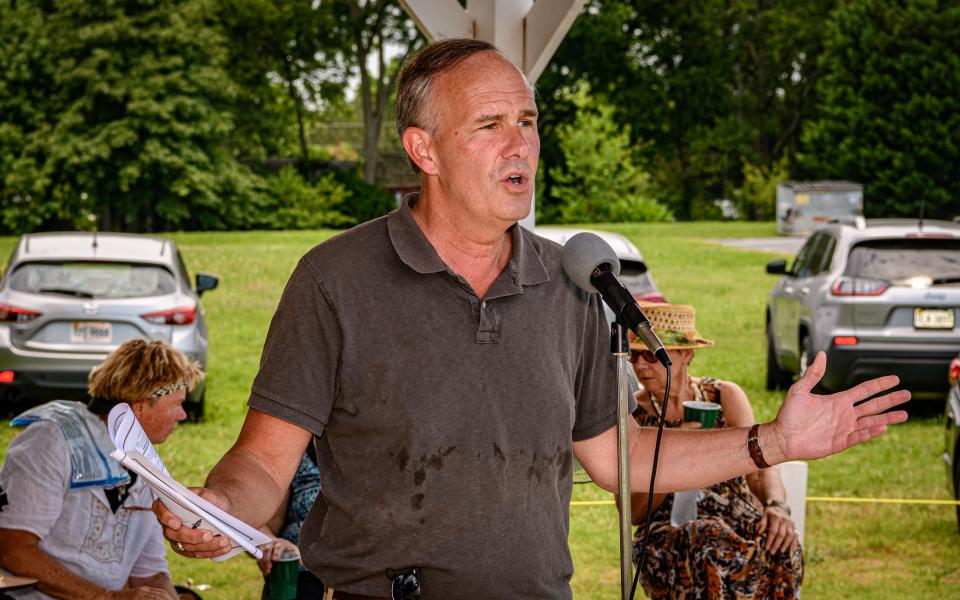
x=620, y=347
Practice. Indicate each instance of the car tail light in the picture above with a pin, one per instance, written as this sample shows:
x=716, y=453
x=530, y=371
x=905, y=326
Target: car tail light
x=859, y=286
x=6, y=376
x=15, y=314
x=954, y=373
x=183, y=315
x=845, y=340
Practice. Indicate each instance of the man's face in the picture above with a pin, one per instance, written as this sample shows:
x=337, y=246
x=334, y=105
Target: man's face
x=487, y=145
x=160, y=417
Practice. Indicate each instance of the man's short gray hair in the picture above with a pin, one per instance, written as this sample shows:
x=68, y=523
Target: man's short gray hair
x=418, y=75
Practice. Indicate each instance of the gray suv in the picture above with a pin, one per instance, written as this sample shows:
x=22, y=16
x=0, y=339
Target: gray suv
x=69, y=299
x=879, y=297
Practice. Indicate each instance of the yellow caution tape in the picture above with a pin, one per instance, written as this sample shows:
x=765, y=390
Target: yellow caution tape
x=882, y=500
x=816, y=499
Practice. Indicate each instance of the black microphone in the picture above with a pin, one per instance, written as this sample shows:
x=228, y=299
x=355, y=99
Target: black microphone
x=593, y=265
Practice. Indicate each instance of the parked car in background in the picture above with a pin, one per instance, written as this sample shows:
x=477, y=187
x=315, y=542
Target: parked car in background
x=633, y=269
x=68, y=299
x=952, y=446
x=879, y=297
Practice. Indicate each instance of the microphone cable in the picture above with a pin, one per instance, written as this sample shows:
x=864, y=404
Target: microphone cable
x=653, y=477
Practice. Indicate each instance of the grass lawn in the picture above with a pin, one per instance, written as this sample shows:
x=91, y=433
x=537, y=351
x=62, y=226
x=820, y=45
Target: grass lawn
x=852, y=550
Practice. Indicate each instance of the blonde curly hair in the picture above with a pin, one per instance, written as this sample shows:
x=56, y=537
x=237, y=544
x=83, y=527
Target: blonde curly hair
x=138, y=368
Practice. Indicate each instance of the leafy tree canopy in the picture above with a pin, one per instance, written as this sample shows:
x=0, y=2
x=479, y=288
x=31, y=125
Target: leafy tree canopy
x=888, y=107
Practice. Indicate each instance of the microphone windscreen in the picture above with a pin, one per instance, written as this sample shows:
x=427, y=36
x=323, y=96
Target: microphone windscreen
x=585, y=252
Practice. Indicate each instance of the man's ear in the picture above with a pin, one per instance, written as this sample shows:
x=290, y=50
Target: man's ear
x=419, y=145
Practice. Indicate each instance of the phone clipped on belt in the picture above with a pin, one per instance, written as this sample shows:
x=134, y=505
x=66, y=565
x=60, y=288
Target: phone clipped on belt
x=405, y=583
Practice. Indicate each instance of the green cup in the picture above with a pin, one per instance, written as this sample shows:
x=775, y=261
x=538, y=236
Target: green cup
x=283, y=576
x=704, y=412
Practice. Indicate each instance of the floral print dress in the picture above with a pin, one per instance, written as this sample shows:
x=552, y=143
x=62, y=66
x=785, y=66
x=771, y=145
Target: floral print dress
x=719, y=553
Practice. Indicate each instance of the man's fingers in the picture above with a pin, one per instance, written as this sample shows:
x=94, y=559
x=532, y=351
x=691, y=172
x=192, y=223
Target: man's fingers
x=185, y=535
x=868, y=389
x=862, y=435
x=878, y=405
x=763, y=523
x=167, y=518
x=206, y=554
x=890, y=418
x=216, y=547
x=814, y=373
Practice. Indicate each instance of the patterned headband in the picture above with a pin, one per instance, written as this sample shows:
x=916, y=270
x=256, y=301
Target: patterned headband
x=168, y=389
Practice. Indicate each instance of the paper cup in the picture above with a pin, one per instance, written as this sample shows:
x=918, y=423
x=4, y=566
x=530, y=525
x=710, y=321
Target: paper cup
x=283, y=576
x=704, y=412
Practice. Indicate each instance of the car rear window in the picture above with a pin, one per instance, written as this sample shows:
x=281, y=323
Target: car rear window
x=903, y=261
x=93, y=279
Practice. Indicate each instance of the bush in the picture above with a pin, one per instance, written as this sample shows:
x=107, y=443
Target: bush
x=367, y=201
x=296, y=204
x=600, y=183
x=757, y=199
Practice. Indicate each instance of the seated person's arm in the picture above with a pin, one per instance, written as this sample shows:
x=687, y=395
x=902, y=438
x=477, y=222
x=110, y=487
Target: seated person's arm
x=158, y=581
x=20, y=553
x=765, y=484
x=35, y=478
x=151, y=571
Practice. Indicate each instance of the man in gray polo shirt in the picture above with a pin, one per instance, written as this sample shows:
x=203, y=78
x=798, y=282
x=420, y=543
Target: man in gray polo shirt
x=450, y=370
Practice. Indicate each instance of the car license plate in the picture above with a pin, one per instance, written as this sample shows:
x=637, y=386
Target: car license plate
x=933, y=318
x=91, y=332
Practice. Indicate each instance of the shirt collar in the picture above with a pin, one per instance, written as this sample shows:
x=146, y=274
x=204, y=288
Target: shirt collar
x=415, y=250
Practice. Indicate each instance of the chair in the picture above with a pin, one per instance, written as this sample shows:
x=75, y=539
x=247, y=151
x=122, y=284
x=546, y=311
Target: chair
x=794, y=475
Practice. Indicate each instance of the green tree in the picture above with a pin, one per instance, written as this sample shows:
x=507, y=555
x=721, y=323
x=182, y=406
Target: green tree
x=285, y=65
x=706, y=85
x=300, y=205
x=373, y=28
x=600, y=182
x=26, y=88
x=888, y=107
x=135, y=125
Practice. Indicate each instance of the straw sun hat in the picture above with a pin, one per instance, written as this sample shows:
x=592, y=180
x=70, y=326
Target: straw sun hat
x=675, y=324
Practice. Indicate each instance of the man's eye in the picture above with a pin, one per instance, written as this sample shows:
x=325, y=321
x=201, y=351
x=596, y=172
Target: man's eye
x=489, y=126
x=527, y=123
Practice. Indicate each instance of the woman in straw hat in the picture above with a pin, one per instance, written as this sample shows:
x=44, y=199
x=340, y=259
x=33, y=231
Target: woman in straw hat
x=741, y=541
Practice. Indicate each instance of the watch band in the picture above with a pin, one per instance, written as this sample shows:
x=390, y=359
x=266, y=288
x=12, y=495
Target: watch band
x=753, y=446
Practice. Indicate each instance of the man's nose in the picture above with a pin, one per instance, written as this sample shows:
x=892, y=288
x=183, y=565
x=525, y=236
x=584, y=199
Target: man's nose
x=181, y=413
x=518, y=142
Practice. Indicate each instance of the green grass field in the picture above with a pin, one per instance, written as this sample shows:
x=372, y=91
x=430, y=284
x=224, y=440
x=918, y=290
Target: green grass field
x=852, y=550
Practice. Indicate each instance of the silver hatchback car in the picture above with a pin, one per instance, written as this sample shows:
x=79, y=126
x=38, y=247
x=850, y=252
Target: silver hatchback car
x=68, y=299
x=878, y=296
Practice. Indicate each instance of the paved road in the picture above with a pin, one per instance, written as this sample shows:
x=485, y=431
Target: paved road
x=786, y=245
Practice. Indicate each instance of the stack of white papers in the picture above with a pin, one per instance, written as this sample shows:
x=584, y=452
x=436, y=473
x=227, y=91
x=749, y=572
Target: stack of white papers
x=135, y=452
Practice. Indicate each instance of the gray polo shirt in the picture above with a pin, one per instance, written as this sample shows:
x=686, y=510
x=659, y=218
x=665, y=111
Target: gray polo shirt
x=446, y=422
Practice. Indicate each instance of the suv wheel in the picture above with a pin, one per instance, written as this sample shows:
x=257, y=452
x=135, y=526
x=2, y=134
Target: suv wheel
x=194, y=410
x=777, y=378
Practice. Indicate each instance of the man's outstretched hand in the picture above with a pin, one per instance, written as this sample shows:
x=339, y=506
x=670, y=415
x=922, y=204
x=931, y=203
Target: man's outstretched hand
x=810, y=426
